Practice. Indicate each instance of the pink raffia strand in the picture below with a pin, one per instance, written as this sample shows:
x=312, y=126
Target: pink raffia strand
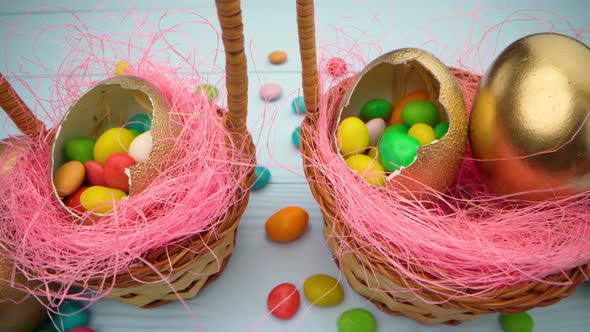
x=468, y=240
x=203, y=178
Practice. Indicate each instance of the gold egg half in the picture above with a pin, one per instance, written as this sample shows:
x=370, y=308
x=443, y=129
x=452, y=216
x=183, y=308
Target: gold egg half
x=392, y=76
x=529, y=127
x=108, y=104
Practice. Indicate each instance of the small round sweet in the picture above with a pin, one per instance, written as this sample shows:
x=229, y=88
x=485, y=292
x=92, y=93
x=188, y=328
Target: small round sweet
x=71, y=315
x=356, y=320
x=420, y=111
x=373, y=152
x=283, y=301
x=423, y=133
x=261, y=177
x=141, y=147
x=80, y=149
x=100, y=199
x=140, y=122
x=368, y=168
x=399, y=127
x=270, y=92
x=520, y=322
x=296, y=137
x=298, y=105
x=397, y=150
x=376, y=127
x=287, y=224
x=115, y=174
x=135, y=132
x=352, y=136
x=336, y=67
x=94, y=173
x=441, y=129
x=277, y=57
x=396, y=116
x=376, y=108
x=121, y=67
x=210, y=90
x=69, y=178
x=322, y=290
x=73, y=201
x=112, y=141
x=82, y=329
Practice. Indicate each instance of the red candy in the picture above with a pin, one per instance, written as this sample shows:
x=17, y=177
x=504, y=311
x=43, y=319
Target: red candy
x=114, y=171
x=73, y=201
x=94, y=173
x=283, y=301
x=336, y=67
x=81, y=329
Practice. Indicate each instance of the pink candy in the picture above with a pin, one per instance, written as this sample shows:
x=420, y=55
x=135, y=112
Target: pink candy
x=270, y=92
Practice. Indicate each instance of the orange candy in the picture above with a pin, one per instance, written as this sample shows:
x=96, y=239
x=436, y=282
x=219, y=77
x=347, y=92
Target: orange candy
x=287, y=224
x=396, y=116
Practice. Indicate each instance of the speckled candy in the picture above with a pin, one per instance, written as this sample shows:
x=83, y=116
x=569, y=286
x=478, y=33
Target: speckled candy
x=357, y=320
x=376, y=108
x=112, y=141
x=270, y=92
x=72, y=315
x=139, y=122
x=261, y=177
x=114, y=171
x=397, y=150
x=80, y=149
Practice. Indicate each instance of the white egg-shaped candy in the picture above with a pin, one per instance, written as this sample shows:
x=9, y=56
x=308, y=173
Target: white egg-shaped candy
x=141, y=147
x=376, y=127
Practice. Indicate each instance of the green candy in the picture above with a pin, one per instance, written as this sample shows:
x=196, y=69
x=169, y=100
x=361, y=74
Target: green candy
x=420, y=111
x=210, y=90
x=72, y=314
x=397, y=150
x=400, y=128
x=80, y=148
x=376, y=108
x=139, y=122
x=135, y=132
x=357, y=320
x=521, y=322
x=441, y=129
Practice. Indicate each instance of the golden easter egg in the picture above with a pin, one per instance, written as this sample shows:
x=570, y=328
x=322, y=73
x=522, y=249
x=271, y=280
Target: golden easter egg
x=110, y=104
x=400, y=73
x=529, y=127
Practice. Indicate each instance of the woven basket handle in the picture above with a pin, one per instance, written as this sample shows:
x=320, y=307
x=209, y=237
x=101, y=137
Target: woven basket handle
x=306, y=30
x=230, y=19
x=18, y=111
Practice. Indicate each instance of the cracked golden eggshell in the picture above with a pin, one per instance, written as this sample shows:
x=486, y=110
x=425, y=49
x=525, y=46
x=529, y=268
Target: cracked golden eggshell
x=529, y=127
x=109, y=104
x=396, y=74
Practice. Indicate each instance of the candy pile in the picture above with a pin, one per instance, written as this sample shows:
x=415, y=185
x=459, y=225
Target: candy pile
x=384, y=139
x=95, y=175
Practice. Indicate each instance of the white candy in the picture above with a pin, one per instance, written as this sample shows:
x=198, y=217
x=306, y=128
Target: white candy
x=376, y=128
x=141, y=147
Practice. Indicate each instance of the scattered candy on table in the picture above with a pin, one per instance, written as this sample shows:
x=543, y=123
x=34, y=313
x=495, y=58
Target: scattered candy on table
x=336, y=67
x=283, y=301
x=261, y=177
x=298, y=105
x=271, y=91
x=521, y=322
x=287, y=224
x=71, y=315
x=357, y=320
x=322, y=290
x=277, y=57
x=296, y=137
x=211, y=91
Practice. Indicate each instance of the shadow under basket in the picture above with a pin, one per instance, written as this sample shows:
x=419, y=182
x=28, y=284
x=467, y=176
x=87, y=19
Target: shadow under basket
x=394, y=293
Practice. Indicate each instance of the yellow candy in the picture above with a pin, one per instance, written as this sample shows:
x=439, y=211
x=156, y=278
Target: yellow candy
x=369, y=168
x=322, y=290
x=112, y=141
x=121, y=67
x=99, y=199
x=422, y=132
x=373, y=151
x=352, y=136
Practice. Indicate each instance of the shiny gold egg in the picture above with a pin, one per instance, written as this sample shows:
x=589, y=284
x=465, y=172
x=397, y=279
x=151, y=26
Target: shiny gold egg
x=529, y=127
x=110, y=104
x=391, y=77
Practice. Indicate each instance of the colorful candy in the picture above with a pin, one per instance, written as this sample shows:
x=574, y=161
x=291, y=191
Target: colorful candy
x=376, y=108
x=520, y=322
x=296, y=137
x=441, y=129
x=376, y=127
x=322, y=290
x=270, y=92
x=261, y=177
x=357, y=320
x=287, y=224
x=423, y=133
x=82, y=329
x=69, y=178
x=112, y=141
x=100, y=199
x=211, y=91
x=94, y=173
x=298, y=105
x=71, y=315
x=397, y=150
x=400, y=128
x=141, y=147
x=420, y=111
x=352, y=136
x=80, y=149
x=368, y=168
x=277, y=57
x=115, y=173
x=140, y=122
x=73, y=201
x=396, y=116
x=283, y=301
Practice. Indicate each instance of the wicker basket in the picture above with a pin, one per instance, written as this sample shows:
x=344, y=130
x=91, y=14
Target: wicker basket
x=363, y=268
x=194, y=262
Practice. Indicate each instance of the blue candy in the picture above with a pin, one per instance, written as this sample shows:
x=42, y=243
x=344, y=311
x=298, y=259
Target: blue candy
x=140, y=122
x=261, y=177
x=72, y=314
x=296, y=137
x=298, y=105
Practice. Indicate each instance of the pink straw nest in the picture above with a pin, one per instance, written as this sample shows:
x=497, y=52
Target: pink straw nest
x=186, y=202
x=467, y=241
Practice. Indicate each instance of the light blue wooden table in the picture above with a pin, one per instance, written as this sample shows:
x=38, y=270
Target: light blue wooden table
x=237, y=301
